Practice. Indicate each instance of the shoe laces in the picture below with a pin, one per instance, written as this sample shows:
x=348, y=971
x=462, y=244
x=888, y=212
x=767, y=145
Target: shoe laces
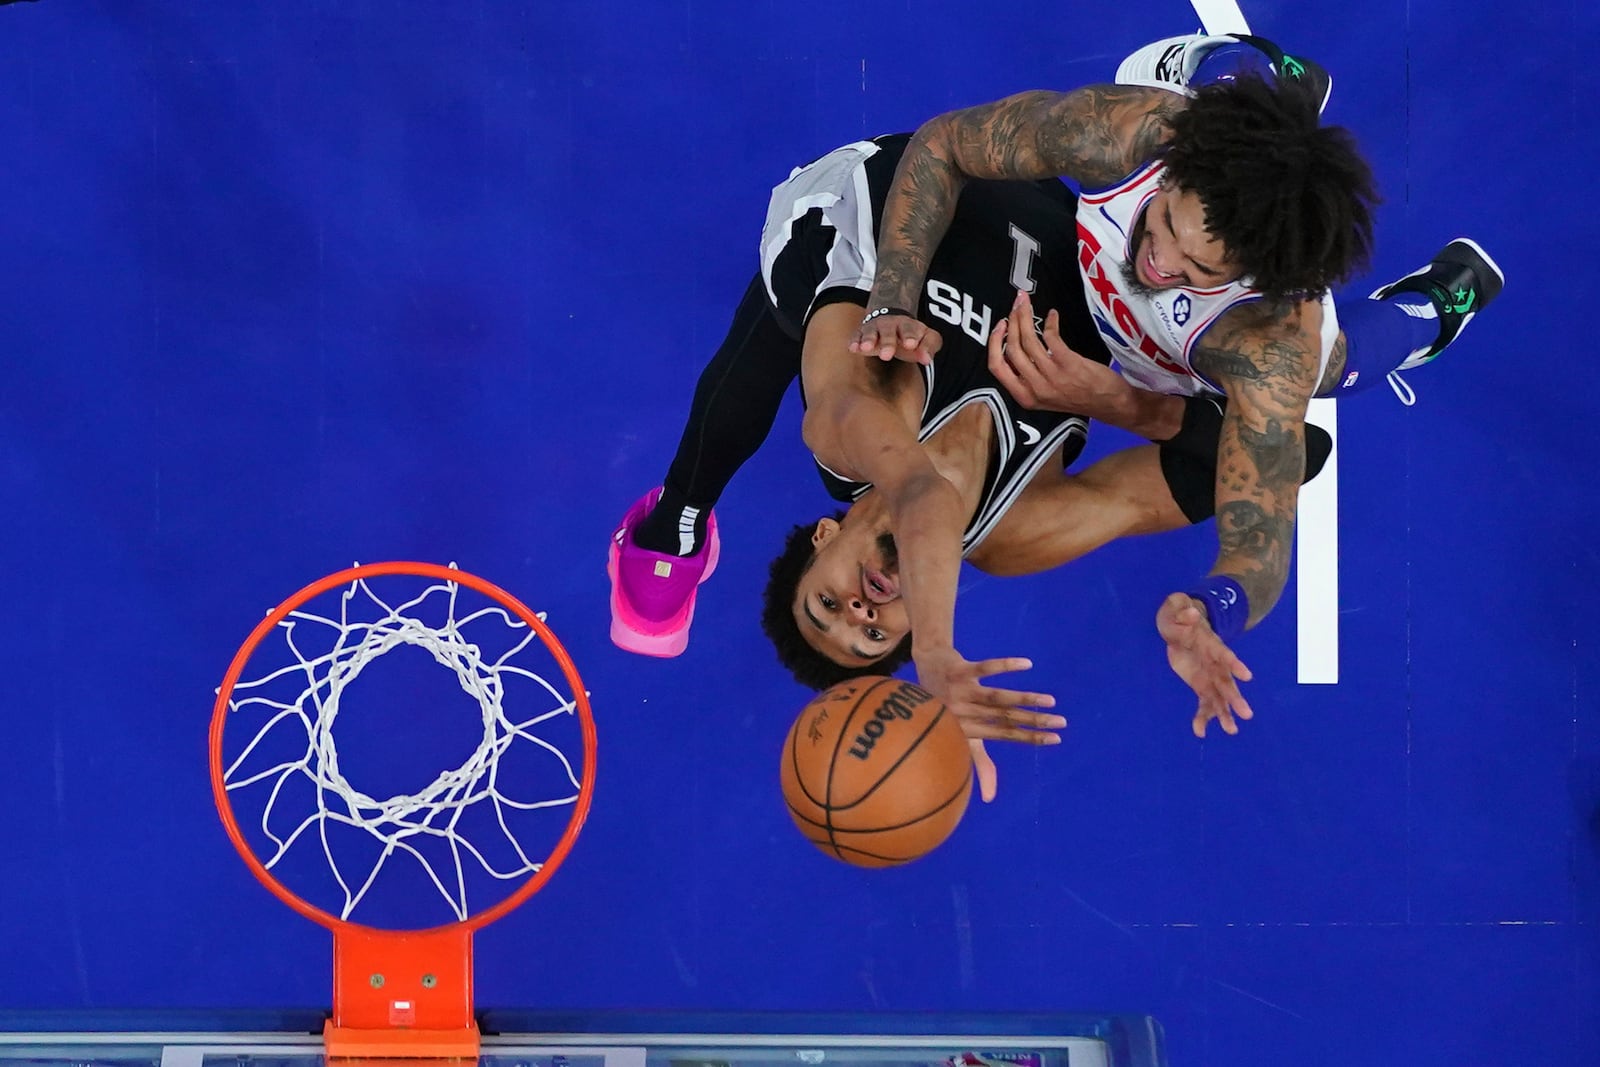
x=1402, y=389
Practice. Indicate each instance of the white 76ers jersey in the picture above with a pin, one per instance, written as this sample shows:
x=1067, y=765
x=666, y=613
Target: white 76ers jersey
x=1153, y=335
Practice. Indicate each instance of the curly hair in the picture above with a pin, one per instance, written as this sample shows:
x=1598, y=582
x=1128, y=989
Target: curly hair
x=1291, y=200
x=810, y=668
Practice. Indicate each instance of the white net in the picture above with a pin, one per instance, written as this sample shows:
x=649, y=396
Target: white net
x=294, y=748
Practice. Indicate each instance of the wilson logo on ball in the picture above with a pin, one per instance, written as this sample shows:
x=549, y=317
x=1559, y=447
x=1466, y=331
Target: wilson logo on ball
x=898, y=705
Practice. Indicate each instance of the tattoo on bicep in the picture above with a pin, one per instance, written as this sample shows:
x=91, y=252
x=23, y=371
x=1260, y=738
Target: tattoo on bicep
x=1225, y=364
x=1334, y=372
x=1278, y=370
x=1095, y=135
x=1154, y=127
x=1104, y=132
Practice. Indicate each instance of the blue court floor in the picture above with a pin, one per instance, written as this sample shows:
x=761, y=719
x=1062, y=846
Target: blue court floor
x=286, y=286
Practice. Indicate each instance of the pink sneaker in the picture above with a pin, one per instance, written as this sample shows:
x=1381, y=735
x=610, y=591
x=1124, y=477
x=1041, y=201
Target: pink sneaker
x=652, y=594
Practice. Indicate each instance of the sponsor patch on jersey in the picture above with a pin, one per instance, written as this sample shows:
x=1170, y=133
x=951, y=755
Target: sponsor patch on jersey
x=1350, y=379
x=1181, y=309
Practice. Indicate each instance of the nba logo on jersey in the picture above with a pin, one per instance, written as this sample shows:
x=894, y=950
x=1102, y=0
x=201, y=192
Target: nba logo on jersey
x=1180, y=309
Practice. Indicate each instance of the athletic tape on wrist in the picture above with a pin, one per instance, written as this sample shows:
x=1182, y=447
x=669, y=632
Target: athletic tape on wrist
x=1227, y=608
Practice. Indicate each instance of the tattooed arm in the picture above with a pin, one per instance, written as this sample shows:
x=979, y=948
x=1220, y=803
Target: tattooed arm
x=1265, y=356
x=1095, y=135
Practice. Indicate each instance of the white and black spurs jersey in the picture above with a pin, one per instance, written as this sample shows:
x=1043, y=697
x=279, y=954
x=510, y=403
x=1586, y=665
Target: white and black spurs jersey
x=819, y=247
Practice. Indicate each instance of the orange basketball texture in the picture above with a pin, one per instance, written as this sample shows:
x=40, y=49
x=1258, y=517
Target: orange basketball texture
x=876, y=771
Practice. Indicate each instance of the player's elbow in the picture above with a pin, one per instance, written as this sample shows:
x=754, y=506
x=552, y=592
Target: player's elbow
x=818, y=430
x=920, y=490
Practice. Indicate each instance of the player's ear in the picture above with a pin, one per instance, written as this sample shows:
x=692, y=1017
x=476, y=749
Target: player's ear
x=824, y=532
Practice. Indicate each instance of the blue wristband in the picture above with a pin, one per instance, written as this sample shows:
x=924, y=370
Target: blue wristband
x=1227, y=608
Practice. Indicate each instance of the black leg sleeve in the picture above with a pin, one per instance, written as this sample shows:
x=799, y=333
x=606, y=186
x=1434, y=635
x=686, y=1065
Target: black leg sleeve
x=736, y=401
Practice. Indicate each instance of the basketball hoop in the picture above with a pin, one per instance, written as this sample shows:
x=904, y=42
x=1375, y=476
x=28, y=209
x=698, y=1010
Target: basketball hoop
x=401, y=992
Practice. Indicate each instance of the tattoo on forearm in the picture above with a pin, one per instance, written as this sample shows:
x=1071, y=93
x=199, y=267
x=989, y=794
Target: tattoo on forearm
x=915, y=217
x=1256, y=540
x=1265, y=357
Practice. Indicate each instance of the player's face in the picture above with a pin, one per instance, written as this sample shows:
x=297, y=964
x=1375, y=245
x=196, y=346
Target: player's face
x=847, y=603
x=1173, y=248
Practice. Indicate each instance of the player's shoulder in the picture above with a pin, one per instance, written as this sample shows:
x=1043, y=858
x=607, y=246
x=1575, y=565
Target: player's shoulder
x=1267, y=318
x=1262, y=339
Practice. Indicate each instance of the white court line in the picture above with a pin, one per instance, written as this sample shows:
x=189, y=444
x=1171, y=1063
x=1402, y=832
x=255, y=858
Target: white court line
x=1317, y=524
x=1220, y=16
x=1316, y=532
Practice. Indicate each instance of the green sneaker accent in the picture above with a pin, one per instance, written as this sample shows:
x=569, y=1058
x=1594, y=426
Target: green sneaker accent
x=1293, y=67
x=1462, y=301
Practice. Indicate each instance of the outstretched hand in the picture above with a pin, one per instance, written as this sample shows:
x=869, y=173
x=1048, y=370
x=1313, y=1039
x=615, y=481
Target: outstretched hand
x=1043, y=372
x=1209, y=667
x=896, y=337
x=988, y=712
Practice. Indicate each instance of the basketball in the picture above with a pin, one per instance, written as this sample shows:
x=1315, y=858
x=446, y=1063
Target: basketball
x=876, y=771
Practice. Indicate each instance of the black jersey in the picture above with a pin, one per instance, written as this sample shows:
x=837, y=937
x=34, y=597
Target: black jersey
x=820, y=247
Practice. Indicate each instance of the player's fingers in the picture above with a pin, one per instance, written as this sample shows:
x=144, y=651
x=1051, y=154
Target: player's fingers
x=865, y=340
x=987, y=775
x=1010, y=352
x=997, y=342
x=1000, y=366
x=990, y=731
x=1059, y=350
x=917, y=341
x=918, y=344
x=1013, y=715
x=1009, y=703
x=1180, y=610
x=1052, y=328
x=1024, y=369
x=913, y=346
x=1225, y=718
x=885, y=337
x=1241, y=706
x=1213, y=708
x=983, y=668
x=1025, y=338
x=987, y=711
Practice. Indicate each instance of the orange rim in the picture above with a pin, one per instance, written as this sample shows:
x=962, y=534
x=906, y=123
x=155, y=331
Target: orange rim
x=219, y=717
